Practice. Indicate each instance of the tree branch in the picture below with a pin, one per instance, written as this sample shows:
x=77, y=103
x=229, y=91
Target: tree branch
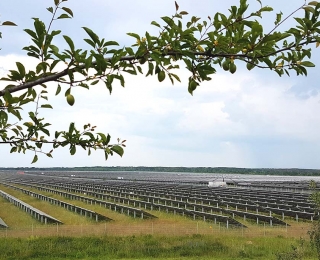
x=52, y=77
x=56, y=76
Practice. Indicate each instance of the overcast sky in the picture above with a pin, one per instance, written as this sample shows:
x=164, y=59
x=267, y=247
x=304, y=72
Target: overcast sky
x=249, y=119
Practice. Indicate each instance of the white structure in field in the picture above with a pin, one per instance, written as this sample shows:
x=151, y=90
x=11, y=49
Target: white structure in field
x=217, y=184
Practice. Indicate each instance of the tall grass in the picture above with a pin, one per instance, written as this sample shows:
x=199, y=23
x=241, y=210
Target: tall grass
x=148, y=247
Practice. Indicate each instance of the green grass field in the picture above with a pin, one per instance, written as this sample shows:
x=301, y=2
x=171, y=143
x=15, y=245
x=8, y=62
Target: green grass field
x=150, y=247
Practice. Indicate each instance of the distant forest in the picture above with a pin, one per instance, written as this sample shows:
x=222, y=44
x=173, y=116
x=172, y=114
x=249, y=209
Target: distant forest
x=220, y=170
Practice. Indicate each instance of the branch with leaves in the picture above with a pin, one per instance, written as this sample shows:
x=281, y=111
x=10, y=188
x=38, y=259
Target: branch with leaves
x=202, y=45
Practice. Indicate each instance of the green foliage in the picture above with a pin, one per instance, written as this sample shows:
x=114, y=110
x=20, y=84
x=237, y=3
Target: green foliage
x=224, y=40
x=314, y=232
x=142, y=247
x=294, y=255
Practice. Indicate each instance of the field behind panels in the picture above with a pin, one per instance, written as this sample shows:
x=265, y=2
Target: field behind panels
x=153, y=203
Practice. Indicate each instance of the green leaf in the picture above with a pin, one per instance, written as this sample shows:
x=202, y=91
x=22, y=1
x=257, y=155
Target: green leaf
x=55, y=32
x=309, y=9
x=106, y=155
x=250, y=66
x=40, y=29
x=50, y=9
x=88, y=62
x=120, y=78
x=83, y=85
x=68, y=91
x=161, y=76
x=68, y=10
x=42, y=66
x=15, y=112
x=307, y=64
x=73, y=149
x=192, y=85
x=140, y=69
x=109, y=43
x=92, y=35
x=134, y=35
x=90, y=135
x=57, y=134
x=90, y=42
x=58, y=90
x=266, y=9
x=278, y=18
x=103, y=137
x=3, y=117
x=132, y=72
x=35, y=158
x=155, y=24
x=63, y=16
x=71, y=128
x=129, y=51
x=45, y=131
x=176, y=77
x=313, y=3
x=31, y=33
x=70, y=42
x=151, y=68
x=46, y=106
x=7, y=97
x=156, y=57
x=9, y=23
x=168, y=20
x=13, y=149
x=95, y=82
x=117, y=149
x=21, y=69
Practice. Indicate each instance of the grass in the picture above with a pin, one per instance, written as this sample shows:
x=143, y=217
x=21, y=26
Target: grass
x=13, y=216
x=148, y=247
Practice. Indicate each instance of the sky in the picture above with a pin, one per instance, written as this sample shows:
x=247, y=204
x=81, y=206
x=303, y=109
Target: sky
x=248, y=119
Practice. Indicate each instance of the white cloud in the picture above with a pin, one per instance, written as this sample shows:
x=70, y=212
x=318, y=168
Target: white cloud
x=222, y=124
x=246, y=119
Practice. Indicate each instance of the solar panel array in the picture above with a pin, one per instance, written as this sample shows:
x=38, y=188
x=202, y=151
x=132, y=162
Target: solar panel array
x=38, y=214
x=183, y=194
